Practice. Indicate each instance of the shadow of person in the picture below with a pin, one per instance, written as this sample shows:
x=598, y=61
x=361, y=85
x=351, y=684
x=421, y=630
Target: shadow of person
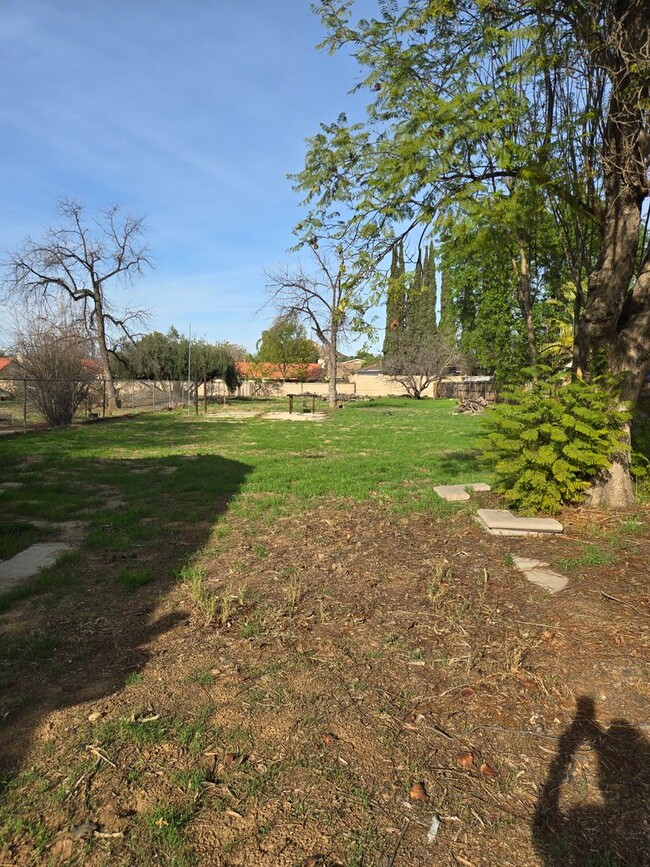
x=614, y=832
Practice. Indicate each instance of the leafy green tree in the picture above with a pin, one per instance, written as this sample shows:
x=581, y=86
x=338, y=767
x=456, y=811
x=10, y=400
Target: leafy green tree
x=422, y=300
x=166, y=356
x=286, y=343
x=501, y=282
x=467, y=99
x=214, y=361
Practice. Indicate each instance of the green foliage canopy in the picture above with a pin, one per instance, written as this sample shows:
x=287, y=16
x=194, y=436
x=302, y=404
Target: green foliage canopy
x=286, y=342
x=473, y=104
x=166, y=356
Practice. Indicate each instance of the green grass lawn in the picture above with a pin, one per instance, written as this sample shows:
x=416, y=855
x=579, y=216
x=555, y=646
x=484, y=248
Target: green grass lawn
x=131, y=478
x=397, y=449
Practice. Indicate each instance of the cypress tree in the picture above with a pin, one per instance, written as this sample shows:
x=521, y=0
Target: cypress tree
x=447, y=319
x=430, y=298
x=395, y=302
x=415, y=324
x=422, y=300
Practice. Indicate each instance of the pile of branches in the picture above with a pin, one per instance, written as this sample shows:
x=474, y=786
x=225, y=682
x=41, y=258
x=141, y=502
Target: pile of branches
x=470, y=405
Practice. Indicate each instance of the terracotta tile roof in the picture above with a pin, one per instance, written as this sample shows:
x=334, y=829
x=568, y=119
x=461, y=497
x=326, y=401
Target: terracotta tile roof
x=6, y=361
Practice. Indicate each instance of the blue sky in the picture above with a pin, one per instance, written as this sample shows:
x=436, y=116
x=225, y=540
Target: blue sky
x=189, y=112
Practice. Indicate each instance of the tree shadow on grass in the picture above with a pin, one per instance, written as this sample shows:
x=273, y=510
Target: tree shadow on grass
x=615, y=832
x=459, y=463
x=82, y=629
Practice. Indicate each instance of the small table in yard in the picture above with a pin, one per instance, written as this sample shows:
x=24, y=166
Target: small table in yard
x=305, y=398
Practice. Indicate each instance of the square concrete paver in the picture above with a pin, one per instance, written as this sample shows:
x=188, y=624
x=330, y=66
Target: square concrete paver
x=503, y=519
x=456, y=493
x=452, y=493
x=537, y=572
x=29, y=562
x=551, y=581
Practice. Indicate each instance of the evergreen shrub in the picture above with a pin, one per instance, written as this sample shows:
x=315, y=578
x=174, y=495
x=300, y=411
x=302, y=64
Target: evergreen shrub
x=548, y=442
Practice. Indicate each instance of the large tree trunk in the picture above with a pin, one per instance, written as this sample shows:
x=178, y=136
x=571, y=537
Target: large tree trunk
x=332, y=368
x=104, y=354
x=614, y=328
x=613, y=489
x=524, y=297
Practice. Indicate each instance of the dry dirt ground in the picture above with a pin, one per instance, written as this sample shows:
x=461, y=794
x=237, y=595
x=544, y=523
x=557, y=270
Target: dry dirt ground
x=357, y=674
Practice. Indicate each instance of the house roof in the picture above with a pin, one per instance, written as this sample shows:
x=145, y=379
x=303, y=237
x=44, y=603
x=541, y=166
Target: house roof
x=6, y=361
x=266, y=370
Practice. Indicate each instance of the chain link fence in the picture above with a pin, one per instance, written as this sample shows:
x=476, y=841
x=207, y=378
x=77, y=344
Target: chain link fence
x=19, y=406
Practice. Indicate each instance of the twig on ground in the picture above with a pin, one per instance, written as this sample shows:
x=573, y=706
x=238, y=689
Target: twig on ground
x=399, y=843
x=100, y=755
x=622, y=602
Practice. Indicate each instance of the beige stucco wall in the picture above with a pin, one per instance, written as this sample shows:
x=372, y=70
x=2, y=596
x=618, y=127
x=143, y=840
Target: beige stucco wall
x=364, y=386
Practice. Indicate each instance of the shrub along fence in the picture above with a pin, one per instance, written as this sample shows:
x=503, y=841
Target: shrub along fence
x=21, y=400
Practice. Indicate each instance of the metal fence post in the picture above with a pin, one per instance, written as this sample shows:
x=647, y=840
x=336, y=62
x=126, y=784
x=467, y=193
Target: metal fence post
x=25, y=405
x=153, y=395
x=104, y=399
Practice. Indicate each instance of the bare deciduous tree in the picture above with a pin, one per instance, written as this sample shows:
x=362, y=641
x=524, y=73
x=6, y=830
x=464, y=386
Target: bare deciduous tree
x=53, y=346
x=327, y=298
x=78, y=260
x=417, y=365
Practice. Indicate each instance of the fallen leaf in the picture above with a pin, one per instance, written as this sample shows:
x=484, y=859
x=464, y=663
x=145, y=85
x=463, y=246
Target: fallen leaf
x=418, y=792
x=488, y=771
x=329, y=739
x=94, y=716
x=465, y=760
x=233, y=760
x=467, y=692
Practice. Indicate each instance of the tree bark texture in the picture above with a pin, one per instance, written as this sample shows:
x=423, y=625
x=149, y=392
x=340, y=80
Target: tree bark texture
x=614, y=330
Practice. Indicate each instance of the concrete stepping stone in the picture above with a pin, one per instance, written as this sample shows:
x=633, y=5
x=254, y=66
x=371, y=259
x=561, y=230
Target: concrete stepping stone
x=501, y=522
x=452, y=493
x=456, y=493
x=29, y=562
x=536, y=571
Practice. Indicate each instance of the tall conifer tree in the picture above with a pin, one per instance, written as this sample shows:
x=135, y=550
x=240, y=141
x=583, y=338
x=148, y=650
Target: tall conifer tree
x=447, y=323
x=395, y=303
